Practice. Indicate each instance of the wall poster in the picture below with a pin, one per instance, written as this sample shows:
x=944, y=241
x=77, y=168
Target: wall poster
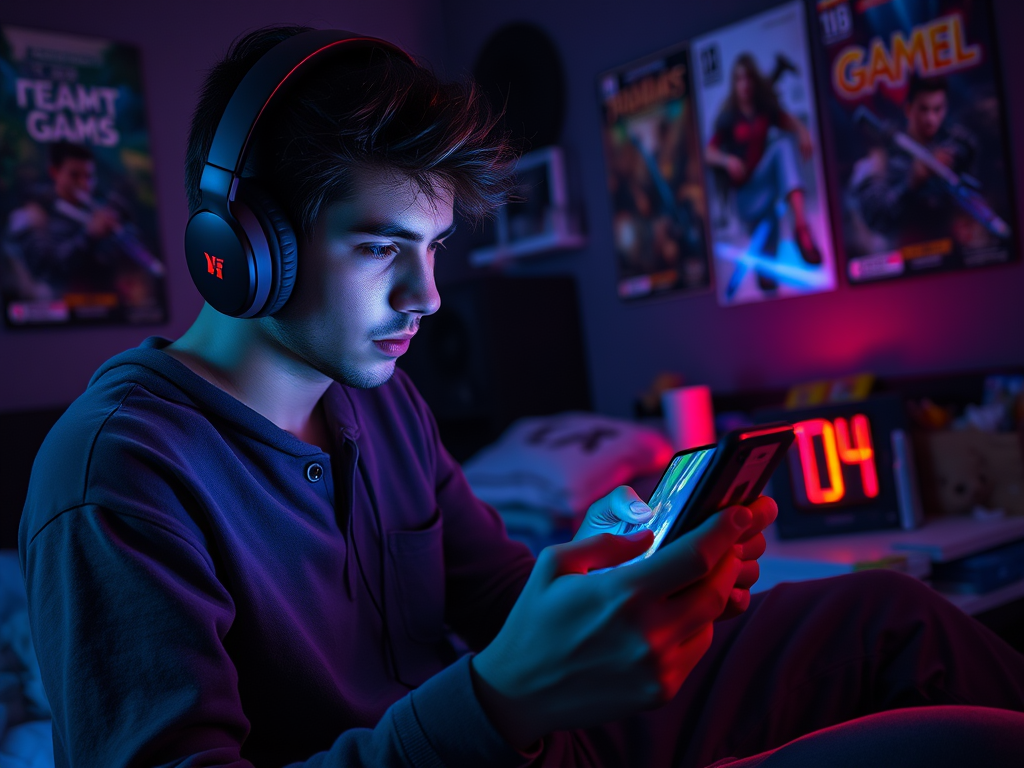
x=650, y=145
x=920, y=139
x=767, y=199
x=78, y=221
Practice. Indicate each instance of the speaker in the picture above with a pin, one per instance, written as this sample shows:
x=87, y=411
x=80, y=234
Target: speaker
x=499, y=348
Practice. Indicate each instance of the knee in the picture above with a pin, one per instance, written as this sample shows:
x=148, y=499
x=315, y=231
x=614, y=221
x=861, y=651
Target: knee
x=865, y=593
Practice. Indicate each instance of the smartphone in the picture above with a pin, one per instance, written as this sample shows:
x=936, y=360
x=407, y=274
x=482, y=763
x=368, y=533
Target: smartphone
x=701, y=481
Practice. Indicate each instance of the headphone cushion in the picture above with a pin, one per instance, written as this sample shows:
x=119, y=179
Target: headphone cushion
x=282, y=241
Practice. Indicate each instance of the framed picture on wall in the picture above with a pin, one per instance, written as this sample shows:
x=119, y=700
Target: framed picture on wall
x=920, y=142
x=78, y=221
x=654, y=180
x=758, y=118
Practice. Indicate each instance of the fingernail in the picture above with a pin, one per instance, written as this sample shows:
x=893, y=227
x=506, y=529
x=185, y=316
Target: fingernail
x=741, y=517
x=639, y=509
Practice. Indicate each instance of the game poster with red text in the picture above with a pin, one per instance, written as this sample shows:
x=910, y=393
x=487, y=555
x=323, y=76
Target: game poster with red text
x=78, y=219
x=920, y=143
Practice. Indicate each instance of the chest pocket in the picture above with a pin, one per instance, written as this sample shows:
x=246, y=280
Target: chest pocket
x=416, y=602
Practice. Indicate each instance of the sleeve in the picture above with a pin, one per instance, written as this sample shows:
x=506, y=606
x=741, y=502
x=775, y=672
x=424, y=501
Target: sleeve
x=129, y=620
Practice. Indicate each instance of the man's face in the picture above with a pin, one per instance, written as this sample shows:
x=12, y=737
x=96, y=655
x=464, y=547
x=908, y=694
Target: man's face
x=925, y=114
x=365, y=279
x=74, y=179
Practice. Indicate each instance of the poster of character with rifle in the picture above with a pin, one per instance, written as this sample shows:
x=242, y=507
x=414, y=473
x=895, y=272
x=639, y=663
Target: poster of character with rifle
x=650, y=145
x=78, y=224
x=767, y=199
x=920, y=140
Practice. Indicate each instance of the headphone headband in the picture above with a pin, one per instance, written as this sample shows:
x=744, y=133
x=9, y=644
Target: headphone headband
x=271, y=74
x=240, y=247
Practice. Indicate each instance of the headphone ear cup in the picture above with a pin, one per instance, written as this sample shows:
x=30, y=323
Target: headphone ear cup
x=281, y=239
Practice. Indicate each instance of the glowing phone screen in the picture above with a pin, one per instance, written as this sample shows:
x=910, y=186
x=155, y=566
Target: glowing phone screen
x=671, y=495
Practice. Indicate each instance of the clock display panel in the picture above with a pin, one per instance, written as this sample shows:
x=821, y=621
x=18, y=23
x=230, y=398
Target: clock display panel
x=833, y=463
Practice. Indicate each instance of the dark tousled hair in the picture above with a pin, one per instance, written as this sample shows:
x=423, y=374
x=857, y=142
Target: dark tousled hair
x=919, y=85
x=359, y=110
x=765, y=99
x=65, y=150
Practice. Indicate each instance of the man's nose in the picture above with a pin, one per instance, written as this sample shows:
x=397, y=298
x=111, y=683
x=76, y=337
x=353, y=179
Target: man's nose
x=416, y=291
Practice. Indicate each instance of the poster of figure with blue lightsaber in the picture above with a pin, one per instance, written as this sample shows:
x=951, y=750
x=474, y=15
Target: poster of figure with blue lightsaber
x=920, y=143
x=78, y=220
x=767, y=200
x=654, y=179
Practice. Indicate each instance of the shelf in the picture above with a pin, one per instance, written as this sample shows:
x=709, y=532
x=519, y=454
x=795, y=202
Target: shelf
x=975, y=604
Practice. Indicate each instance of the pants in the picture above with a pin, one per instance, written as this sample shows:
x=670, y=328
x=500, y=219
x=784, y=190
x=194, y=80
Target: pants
x=773, y=179
x=808, y=658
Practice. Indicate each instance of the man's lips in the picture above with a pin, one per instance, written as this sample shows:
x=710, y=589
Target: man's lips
x=395, y=346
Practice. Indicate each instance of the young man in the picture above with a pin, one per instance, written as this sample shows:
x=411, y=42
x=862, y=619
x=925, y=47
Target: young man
x=246, y=547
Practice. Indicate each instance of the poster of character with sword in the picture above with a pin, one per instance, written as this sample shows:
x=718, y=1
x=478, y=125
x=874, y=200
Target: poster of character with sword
x=650, y=145
x=78, y=221
x=767, y=200
x=920, y=150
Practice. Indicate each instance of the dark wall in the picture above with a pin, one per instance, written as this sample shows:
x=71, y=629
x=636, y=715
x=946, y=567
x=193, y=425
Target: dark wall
x=934, y=323
x=48, y=367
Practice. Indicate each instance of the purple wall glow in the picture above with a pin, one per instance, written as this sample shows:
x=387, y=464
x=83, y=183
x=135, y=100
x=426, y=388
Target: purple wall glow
x=930, y=324
x=936, y=323
x=44, y=367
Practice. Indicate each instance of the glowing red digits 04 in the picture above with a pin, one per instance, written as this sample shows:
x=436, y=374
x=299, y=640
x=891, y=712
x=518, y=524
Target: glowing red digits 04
x=839, y=450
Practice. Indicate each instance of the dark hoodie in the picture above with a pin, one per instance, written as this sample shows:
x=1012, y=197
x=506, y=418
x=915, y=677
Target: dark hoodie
x=207, y=589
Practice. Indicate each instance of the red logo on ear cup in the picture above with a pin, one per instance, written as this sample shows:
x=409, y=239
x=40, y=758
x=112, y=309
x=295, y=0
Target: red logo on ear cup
x=214, y=265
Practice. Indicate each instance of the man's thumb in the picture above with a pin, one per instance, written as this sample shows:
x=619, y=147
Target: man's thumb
x=602, y=551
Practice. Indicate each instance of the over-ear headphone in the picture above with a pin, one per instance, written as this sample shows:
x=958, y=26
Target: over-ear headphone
x=239, y=245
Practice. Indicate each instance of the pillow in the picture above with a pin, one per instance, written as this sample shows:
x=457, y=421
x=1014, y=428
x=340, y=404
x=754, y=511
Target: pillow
x=565, y=462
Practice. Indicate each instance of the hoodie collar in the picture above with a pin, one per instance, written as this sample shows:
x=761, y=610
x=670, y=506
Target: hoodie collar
x=177, y=382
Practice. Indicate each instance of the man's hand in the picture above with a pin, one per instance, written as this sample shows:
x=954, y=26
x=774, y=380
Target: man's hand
x=750, y=547
x=622, y=508
x=612, y=513
x=579, y=648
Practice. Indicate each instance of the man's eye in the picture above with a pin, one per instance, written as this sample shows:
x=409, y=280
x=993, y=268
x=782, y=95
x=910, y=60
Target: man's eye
x=378, y=251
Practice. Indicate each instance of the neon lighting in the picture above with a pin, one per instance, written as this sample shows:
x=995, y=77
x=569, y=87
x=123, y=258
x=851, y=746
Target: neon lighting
x=805, y=434
x=862, y=452
x=762, y=432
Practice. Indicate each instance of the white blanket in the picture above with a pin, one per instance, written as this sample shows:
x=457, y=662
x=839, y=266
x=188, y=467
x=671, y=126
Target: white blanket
x=563, y=463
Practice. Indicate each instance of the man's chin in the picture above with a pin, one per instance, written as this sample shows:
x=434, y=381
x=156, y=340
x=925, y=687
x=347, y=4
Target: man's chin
x=369, y=377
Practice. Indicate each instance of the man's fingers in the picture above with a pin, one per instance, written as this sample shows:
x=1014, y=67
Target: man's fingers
x=765, y=510
x=601, y=551
x=738, y=602
x=749, y=573
x=627, y=506
x=751, y=549
x=692, y=556
x=614, y=513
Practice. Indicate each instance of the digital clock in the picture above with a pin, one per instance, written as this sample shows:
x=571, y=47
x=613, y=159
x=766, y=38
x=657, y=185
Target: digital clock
x=850, y=469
